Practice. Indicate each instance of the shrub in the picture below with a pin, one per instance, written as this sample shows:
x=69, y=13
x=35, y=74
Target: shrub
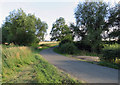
x=110, y=55
x=68, y=48
x=118, y=53
x=34, y=45
x=65, y=41
x=82, y=46
x=110, y=42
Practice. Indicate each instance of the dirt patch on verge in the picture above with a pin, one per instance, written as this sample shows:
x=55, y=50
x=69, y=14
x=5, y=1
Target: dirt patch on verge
x=88, y=58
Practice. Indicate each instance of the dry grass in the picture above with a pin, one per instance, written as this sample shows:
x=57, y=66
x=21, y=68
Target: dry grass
x=16, y=52
x=48, y=42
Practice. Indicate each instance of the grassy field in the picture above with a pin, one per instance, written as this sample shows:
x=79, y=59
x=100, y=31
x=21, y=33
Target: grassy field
x=44, y=45
x=25, y=65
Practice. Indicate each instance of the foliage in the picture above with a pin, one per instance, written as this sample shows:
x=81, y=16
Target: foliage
x=111, y=52
x=60, y=30
x=34, y=45
x=25, y=65
x=77, y=31
x=83, y=46
x=68, y=48
x=22, y=29
x=77, y=53
x=109, y=55
x=90, y=18
x=114, y=22
x=110, y=42
x=65, y=41
x=111, y=46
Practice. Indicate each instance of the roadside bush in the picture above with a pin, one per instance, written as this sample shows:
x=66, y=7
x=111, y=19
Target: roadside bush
x=108, y=55
x=111, y=55
x=110, y=42
x=34, y=45
x=118, y=53
x=83, y=46
x=65, y=41
x=68, y=48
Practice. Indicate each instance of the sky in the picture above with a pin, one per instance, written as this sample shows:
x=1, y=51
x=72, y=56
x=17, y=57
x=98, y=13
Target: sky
x=46, y=10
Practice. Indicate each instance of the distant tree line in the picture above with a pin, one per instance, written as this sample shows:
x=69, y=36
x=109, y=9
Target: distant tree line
x=23, y=29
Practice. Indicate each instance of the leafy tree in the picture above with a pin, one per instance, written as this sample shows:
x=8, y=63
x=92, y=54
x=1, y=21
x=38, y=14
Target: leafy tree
x=78, y=31
x=22, y=29
x=60, y=30
x=90, y=18
x=114, y=21
x=41, y=29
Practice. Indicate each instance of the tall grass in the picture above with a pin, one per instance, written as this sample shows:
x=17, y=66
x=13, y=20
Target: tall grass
x=13, y=59
x=24, y=65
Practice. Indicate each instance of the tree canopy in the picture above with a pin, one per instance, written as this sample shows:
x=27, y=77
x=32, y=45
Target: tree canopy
x=90, y=21
x=23, y=29
x=60, y=30
x=114, y=21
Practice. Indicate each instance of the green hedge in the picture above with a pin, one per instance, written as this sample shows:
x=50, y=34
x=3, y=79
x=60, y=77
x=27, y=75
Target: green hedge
x=68, y=48
x=111, y=55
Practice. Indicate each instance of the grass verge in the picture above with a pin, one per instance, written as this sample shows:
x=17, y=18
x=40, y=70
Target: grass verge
x=25, y=65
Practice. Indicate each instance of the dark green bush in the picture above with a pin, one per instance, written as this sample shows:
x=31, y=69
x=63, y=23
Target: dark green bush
x=83, y=46
x=118, y=53
x=35, y=45
x=110, y=42
x=110, y=55
x=68, y=48
x=65, y=41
